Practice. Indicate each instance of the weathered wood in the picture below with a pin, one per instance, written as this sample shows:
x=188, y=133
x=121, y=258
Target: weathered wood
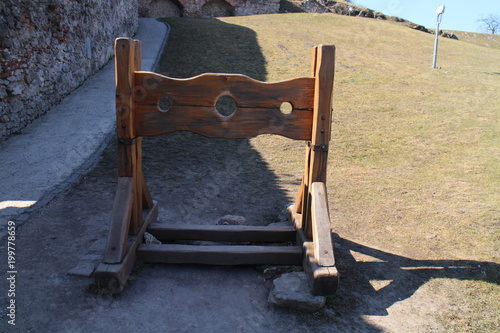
x=244, y=123
x=220, y=254
x=322, y=120
x=120, y=219
x=301, y=203
x=322, y=280
x=125, y=62
x=149, y=104
x=295, y=217
x=136, y=218
x=323, y=247
x=193, y=106
x=205, y=89
x=222, y=233
x=114, y=276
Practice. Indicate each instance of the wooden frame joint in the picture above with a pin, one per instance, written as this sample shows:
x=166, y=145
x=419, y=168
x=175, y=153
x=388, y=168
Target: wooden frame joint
x=317, y=147
x=127, y=141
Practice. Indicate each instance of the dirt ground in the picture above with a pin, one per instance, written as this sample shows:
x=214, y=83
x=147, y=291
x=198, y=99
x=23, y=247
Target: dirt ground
x=196, y=180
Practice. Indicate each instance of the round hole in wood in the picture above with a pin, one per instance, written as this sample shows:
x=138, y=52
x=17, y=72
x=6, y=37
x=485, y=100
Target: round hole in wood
x=286, y=107
x=226, y=105
x=165, y=103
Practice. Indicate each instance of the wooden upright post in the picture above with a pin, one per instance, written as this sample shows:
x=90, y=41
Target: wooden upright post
x=323, y=70
x=127, y=212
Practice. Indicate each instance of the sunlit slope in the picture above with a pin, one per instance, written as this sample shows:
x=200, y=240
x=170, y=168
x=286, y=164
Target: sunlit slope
x=414, y=150
x=412, y=146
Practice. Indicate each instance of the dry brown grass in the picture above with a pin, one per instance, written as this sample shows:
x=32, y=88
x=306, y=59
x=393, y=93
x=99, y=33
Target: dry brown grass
x=414, y=165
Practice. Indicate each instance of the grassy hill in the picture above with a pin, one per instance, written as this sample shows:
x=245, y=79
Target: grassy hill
x=486, y=40
x=414, y=168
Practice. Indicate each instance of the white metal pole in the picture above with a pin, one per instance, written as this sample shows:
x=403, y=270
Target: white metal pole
x=439, y=13
x=436, y=42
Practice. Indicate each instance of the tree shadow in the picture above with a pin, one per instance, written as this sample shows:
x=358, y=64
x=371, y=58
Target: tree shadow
x=401, y=277
x=199, y=180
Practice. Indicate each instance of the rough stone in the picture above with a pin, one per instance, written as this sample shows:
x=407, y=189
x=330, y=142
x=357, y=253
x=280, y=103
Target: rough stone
x=207, y=8
x=291, y=290
x=272, y=272
x=150, y=239
x=232, y=220
x=43, y=50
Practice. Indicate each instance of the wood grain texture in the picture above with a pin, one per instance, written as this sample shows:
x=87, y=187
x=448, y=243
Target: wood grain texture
x=322, y=122
x=220, y=254
x=323, y=247
x=120, y=220
x=322, y=280
x=113, y=277
x=193, y=106
x=221, y=233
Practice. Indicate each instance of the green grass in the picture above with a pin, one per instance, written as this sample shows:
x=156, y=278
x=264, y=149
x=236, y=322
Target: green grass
x=414, y=167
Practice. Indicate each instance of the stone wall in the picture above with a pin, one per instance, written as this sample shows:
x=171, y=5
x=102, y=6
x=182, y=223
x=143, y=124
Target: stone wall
x=206, y=8
x=49, y=47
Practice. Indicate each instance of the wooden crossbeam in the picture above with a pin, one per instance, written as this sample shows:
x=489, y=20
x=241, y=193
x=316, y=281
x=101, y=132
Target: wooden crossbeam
x=222, y=233
x=220, y=254
x=191, y=106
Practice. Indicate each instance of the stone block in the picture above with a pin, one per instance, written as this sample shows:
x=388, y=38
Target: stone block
x=291, y=290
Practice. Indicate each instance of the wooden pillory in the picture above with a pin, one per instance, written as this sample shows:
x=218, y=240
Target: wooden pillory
x=149, y=104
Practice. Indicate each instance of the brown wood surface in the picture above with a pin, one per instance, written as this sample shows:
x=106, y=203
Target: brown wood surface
x=193, y=100
x=221, y=233
x=322, y=120
x=114, y=276
x=220, y=254
x=193, y=106
x=323, y=248
x=322, y=280
x=120, y=219
x=125, y=62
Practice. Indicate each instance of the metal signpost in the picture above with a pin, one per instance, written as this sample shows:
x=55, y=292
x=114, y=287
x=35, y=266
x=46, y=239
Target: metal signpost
x=439, y=14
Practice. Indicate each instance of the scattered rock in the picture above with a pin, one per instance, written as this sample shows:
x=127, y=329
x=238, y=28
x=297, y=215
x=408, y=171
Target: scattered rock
x=291, y=290
x=272, y=272
x=232, y=220
x=150, y=239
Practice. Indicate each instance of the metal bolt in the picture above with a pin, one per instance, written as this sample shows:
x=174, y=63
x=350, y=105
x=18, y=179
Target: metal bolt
x=322, y=117
x=322, y=130
x=123, y=109
x=124, y=126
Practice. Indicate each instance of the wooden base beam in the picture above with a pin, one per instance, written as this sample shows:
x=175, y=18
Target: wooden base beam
x=323, y=280
x=167, y=232
x=220, y=254
x=113, y=277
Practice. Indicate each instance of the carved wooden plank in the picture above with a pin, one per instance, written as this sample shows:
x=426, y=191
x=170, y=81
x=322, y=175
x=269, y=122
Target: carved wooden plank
x=205, y=89
x=220, y=254
x=222, y=233
x=192, y=106
x=244, y=123
x=120, y=219
x=323, y=248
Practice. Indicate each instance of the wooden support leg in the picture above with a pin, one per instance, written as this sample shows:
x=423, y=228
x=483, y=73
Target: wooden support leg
x=120, y=220
x=318, y=255
x=113, y=277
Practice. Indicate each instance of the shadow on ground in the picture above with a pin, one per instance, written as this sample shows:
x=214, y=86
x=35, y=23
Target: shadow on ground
x=195, y=180
x=374, y=280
